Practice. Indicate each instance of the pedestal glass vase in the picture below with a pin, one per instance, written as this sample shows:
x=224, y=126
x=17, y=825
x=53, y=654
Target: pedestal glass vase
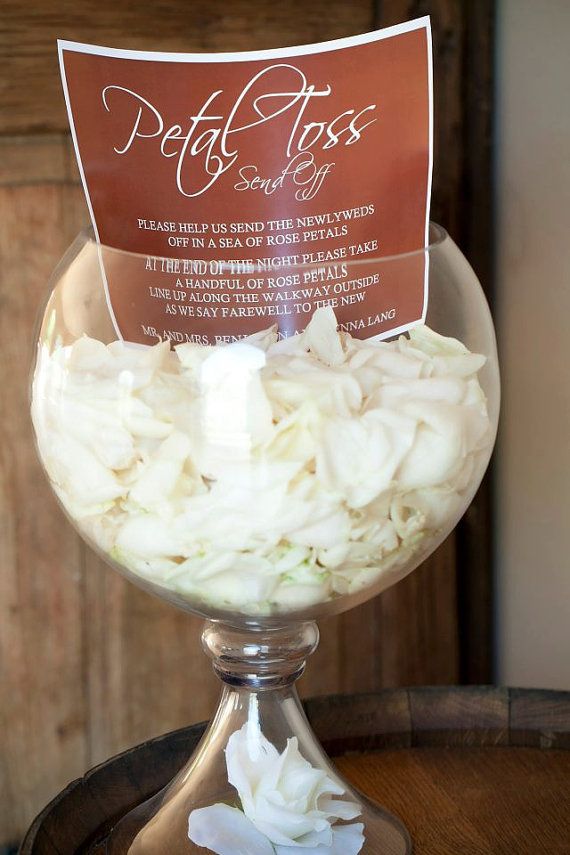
x=265, y=484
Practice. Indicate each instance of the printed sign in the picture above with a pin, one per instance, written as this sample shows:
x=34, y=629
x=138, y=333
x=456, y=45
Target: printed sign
x=248, y=189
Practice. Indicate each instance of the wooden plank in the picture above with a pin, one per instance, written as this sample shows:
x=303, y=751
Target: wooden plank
x=110, y=790
x=147, y=672
x=475, y=532
x=418, y=642
x=29, y=160
x=361, y=642
x=435, y=822
x=43, y=708
x=324, y=667
x=360, y=723
x=463, y=41
x=33, y=102
x=538, y=720
x=464, y=716
x=481, y=801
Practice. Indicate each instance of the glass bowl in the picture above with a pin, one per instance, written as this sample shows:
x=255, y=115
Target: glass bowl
x=264, y=483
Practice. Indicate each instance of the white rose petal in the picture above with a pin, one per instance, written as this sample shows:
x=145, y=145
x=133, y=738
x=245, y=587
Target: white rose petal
x=159, y=478
x=99, y=427
x=439, y=448
x=434, y=344
x=324, y=533
x=264, y=476
x=359, y=457
x=236, y=415
x=285, y=797
x=88, y=354
x=301, y=596
x=463, y=365
x=451, y=389
x=263, y=339
x=346, y=840
x=149, y=535
x=78, y=471
x=226, y=831
x=232, y=588
x=322, y=339
x=143, y=425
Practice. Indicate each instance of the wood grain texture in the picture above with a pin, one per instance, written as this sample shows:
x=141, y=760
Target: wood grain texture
x=30, y=93
x=91, y=665
x=145, y=664
x=462, y=202
x=32, y=160
x=540, y=721
x=450, y=718
x=418, y=623
x=473, y=801
x=460, y=793
x=43, y=706
x=475, y=533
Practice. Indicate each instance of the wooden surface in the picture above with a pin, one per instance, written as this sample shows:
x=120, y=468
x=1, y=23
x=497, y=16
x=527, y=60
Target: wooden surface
x=471, y=771
x=472, y=800
x=89, y=664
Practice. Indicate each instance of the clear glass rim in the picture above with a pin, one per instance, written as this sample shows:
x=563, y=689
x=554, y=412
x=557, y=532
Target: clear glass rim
x=437, y=234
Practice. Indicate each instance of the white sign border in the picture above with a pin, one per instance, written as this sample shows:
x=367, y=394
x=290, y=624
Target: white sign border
x=249, y=56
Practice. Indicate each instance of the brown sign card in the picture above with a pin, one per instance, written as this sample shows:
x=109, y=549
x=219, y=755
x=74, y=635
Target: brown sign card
x=248, y=189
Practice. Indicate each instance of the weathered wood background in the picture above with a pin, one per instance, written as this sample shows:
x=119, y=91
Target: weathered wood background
x=89, y=664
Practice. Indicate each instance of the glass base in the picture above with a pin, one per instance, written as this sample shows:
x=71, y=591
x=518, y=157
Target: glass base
x=259, y=782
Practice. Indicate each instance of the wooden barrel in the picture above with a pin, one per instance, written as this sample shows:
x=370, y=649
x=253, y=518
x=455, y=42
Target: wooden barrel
x=469, y=770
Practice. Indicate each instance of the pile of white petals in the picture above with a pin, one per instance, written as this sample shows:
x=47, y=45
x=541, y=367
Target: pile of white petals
x=267, y=475
x=287, y=805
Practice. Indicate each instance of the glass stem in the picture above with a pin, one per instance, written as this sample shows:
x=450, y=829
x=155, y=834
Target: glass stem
x=259, y=705
x=262, y=658
x=259, y=669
